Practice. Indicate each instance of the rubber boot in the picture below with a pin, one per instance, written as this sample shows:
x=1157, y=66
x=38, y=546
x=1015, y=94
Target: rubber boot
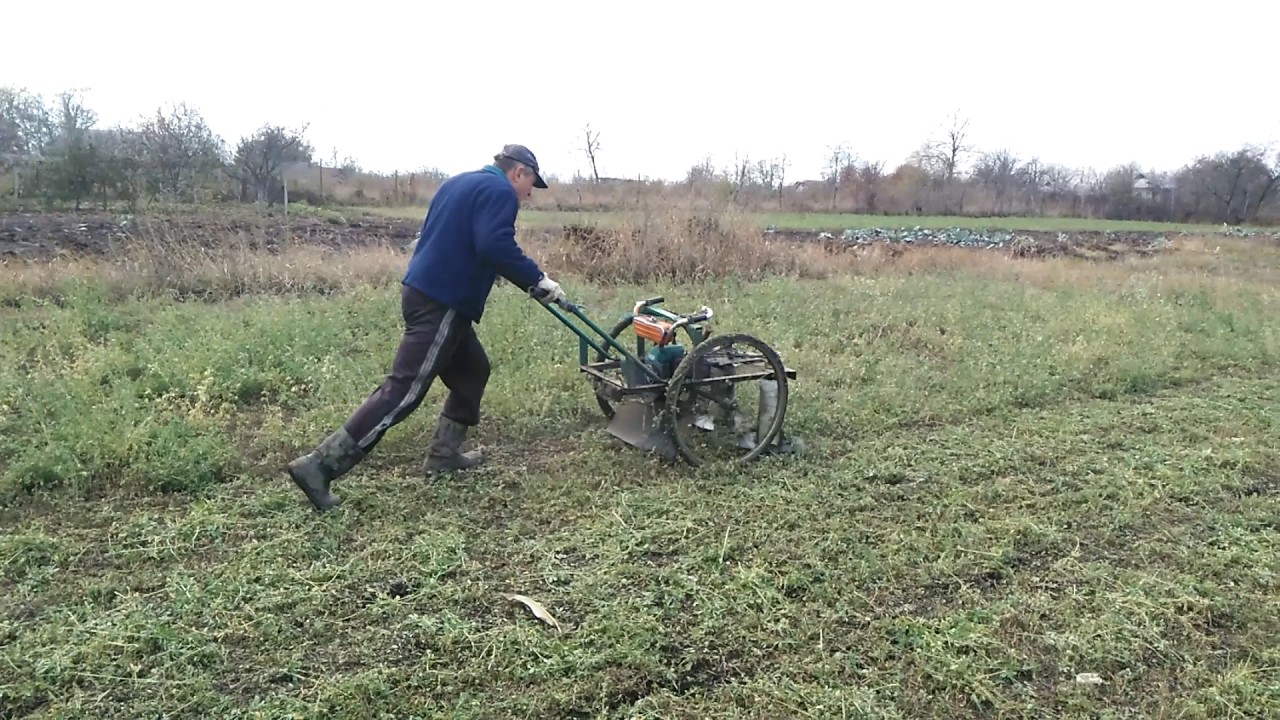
x=445, y=453
x=315, y=471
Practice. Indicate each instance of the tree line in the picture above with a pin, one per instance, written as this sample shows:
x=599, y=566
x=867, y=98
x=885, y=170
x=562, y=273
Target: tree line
x=56, y=151
x=948, y=175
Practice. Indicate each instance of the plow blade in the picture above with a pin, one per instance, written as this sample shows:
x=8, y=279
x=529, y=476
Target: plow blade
x=636, y=424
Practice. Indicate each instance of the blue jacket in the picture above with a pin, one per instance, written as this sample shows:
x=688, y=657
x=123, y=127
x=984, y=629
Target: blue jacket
x=468, y=239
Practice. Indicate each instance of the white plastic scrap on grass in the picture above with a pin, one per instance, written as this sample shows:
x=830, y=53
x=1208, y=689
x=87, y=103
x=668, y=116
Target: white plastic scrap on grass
x=538, y=609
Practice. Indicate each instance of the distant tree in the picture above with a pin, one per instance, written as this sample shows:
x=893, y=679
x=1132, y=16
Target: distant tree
x=258, y=158
x=701, y=173
x=942, y=157
x=26, y=127
x=839, y=158
x=772, y=174
x=592, y=148
x=742, y=175
x=123, y=174
x=1119, y=191
x=997, y=172
x=75, y=164
x=178, y=150
x=1229, y=187
x=869, y=178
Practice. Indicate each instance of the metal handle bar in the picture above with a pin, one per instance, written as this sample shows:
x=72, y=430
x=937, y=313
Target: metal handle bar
x=701, y=316
x=646, y=303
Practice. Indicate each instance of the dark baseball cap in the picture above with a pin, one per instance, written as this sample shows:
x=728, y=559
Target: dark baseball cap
x=522, y=154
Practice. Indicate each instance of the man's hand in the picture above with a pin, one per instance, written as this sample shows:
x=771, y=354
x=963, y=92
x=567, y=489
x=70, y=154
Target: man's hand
x=548, y=290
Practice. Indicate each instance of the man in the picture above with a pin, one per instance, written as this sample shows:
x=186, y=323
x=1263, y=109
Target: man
x=467, y=240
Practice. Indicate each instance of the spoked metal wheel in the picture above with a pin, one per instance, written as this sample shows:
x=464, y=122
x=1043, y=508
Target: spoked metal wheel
x=727, y=400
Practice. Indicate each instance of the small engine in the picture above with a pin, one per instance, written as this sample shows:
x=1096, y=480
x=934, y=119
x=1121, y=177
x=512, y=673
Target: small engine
x=664, y=359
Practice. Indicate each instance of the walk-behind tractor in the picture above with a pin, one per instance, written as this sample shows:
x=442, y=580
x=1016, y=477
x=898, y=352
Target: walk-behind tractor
x=684, y=402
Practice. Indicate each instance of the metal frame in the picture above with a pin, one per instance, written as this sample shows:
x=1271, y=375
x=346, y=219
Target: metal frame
x=585, y=343
x=648, y=422
x=644, y=307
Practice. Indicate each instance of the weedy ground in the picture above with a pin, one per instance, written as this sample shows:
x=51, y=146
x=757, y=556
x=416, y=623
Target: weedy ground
x=1043, y=488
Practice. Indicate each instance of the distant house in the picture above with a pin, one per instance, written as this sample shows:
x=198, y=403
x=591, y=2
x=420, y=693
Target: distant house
x=1152, y=188
x=803, y=185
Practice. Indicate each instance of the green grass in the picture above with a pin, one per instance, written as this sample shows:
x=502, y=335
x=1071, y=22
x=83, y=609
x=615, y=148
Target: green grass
x=839, y=221
x=1009, y=482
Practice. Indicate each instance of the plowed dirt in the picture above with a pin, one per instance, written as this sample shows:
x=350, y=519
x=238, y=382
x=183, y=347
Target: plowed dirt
x=44, y=235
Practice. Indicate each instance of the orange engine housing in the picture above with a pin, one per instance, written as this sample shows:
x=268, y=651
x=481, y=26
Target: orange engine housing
x=655, y=330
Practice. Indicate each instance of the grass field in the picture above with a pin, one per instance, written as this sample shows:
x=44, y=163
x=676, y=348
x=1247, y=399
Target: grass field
x=1018, y=472
x=828, y=221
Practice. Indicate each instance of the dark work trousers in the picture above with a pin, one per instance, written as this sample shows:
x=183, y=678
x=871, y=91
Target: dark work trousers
x=437, y=342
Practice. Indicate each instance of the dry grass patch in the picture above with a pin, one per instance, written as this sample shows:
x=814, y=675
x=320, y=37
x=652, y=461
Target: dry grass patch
x=234, y=266
x=677, y=245
x=211, y=260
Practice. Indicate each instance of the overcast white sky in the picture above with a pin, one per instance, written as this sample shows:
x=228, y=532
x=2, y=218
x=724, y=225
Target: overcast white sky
x=445, y=84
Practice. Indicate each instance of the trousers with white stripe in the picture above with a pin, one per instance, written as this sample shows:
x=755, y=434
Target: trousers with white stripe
x=437, y=343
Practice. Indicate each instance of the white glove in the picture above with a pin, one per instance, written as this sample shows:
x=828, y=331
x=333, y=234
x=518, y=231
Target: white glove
x=551, y=289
